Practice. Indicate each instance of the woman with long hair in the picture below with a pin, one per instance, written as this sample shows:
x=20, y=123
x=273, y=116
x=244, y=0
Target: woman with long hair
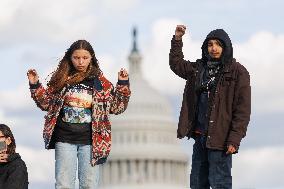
x=78, y=100
x=13, y=170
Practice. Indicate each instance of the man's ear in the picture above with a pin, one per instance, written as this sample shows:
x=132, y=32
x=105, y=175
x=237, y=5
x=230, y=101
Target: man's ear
x=8, y=141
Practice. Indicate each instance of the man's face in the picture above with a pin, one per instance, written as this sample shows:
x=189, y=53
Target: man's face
x=214, y=48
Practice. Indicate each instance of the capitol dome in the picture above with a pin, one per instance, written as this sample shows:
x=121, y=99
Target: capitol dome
x=145, y=151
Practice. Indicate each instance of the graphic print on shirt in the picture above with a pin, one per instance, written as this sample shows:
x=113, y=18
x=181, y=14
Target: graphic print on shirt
x=77, y=104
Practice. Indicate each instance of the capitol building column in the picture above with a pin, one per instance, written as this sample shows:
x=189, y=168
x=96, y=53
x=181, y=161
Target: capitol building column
x=124, y=175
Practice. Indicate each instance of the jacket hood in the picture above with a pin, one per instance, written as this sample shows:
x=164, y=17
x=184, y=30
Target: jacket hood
x=222, y=36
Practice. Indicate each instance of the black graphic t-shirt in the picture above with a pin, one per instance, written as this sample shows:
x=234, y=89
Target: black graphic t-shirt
x=74, y=122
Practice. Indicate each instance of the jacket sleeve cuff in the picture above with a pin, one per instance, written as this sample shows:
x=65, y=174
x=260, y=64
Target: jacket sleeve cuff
x=123, y=82
x=234, y=139
x=176, y=43
x=34, y=86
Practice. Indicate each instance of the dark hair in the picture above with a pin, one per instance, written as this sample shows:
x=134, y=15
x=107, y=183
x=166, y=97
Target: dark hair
x=6, y=131
x=66, y=72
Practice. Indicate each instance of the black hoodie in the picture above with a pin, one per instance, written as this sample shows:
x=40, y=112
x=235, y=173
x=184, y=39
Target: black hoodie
x=13, y=174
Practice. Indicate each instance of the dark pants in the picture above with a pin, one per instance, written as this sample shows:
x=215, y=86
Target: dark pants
x=210, y=168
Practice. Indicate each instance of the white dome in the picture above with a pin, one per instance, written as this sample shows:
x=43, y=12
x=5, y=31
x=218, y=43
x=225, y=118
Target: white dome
x=145, y=151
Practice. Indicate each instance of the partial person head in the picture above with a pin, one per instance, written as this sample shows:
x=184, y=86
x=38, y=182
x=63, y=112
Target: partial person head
x=217, y=47
x=78, y=63
x=6, y=136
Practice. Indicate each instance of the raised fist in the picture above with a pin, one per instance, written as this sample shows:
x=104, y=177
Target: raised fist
x=32, y=76
x=180, y=30
x=122, y=74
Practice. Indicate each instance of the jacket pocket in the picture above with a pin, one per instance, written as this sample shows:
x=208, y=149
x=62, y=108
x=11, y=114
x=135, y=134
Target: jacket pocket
x=228, y=80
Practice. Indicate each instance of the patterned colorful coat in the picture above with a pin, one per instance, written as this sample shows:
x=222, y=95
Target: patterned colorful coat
x=106, y=100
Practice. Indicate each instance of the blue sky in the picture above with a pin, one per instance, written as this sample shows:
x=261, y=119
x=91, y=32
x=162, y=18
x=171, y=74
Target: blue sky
x=35, y=34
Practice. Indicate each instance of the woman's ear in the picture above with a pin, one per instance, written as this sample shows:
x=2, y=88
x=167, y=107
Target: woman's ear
x=8, y=141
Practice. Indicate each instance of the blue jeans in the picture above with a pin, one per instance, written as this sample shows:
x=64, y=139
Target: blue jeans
x=66, y=156
x=210, y=168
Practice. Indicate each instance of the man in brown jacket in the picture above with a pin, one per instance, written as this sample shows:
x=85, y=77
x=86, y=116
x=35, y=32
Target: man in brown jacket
x=215, y=109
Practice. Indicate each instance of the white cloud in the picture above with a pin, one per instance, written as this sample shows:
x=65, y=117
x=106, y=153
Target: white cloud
x=56, y=21
x=63, y=20
x=156, y=58
x=259, y=168
x=19, y=98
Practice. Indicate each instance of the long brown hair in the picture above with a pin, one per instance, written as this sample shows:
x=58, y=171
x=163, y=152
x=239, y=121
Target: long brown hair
x=6, y=131
x=66, y=72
